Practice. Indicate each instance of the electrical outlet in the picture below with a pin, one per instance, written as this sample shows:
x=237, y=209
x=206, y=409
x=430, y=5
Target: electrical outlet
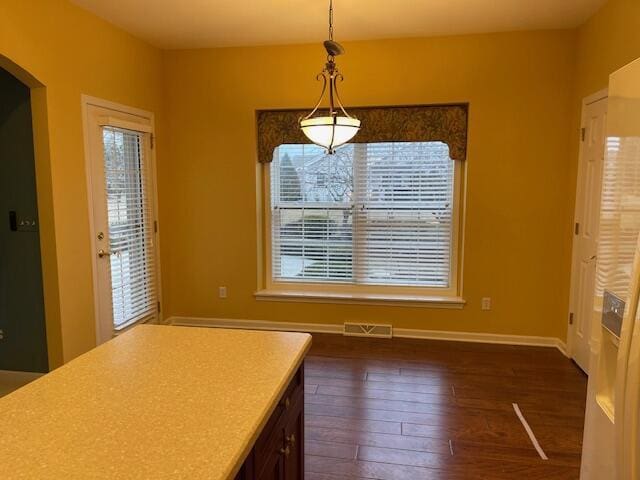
x=486, y=303
x=222, y=292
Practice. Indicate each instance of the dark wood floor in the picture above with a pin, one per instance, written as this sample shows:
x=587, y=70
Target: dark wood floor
x=413, y=409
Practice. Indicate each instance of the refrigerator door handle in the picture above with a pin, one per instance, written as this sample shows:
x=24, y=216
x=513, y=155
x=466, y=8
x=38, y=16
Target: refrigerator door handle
x=627, y=381
x=631, y=466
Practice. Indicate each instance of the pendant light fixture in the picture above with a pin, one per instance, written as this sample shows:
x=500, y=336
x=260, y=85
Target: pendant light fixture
x=337, y=127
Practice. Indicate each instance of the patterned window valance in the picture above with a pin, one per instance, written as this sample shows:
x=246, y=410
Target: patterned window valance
x=419, y=123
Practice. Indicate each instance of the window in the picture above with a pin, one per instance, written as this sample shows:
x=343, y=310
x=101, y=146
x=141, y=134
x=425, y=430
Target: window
x=374, y=217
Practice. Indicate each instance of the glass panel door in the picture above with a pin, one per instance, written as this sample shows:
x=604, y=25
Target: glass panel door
x=130, y=225
x=124, y=226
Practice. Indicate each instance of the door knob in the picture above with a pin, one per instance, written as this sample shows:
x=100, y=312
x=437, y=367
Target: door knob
x=103, y=253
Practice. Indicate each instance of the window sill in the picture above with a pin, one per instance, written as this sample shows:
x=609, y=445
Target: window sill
x=428, y=301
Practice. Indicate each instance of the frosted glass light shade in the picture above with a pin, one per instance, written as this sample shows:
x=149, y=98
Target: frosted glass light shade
x=330, y=132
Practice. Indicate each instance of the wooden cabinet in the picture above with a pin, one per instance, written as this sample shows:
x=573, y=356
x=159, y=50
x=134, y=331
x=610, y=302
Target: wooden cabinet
x=278, y=454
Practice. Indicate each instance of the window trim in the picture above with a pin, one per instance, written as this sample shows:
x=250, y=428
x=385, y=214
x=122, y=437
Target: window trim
x=321, y=292
x=299, y=296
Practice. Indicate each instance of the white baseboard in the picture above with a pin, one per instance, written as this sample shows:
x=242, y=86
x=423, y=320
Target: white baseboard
x=526, y=340
x=531, y=341
x=562, y=346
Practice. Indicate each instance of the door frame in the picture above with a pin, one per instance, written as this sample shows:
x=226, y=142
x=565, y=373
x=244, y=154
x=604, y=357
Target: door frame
x=87, y=102
x=588, y=100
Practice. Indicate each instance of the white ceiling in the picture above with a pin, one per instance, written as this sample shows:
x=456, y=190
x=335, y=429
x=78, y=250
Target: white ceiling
x=214, y=23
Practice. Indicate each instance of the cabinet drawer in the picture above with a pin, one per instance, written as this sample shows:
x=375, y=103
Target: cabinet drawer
x=292, y=391
x=272, y=438
x=295, y=385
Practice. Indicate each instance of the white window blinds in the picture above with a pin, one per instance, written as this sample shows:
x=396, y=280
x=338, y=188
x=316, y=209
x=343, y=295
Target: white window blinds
x=372, y=214
x=131, y=228
x=619, y=214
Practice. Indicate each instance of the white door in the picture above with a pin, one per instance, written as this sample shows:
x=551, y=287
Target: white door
x=124, y=226
x=587, y=214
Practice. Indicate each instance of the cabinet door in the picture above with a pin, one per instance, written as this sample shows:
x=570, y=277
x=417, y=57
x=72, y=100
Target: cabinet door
x=294, y=441
x=269, y=458
x=274, y=468
x=294, y=431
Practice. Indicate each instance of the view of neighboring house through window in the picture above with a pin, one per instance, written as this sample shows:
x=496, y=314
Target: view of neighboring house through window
x=371, y=214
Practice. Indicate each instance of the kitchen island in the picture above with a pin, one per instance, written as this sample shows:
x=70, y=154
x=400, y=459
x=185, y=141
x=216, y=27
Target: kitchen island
x=163, y=402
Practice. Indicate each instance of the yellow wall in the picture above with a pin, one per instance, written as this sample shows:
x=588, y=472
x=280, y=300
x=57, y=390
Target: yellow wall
x=608, y=41
x=517, y=227
x=71, y=53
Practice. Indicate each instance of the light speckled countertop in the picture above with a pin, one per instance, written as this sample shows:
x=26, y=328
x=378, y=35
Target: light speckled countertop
x=156, y=402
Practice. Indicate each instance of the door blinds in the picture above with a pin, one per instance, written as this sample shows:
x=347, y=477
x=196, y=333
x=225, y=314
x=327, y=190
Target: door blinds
x=131, y=227
x=373, y=214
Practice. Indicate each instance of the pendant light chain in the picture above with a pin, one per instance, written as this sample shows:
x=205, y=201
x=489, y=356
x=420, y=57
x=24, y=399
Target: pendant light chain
x=330, y=19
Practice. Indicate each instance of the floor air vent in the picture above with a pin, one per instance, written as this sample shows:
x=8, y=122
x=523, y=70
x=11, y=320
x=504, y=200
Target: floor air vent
x=368, y=330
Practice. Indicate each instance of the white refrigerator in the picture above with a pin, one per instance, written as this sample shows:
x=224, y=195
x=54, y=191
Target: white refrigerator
x=611, y=436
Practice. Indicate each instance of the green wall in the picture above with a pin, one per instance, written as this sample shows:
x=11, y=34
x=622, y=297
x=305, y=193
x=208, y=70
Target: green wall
x=23, y=346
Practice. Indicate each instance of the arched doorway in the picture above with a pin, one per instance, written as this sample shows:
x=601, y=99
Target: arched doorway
x=29, y=300
x=23, y=340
